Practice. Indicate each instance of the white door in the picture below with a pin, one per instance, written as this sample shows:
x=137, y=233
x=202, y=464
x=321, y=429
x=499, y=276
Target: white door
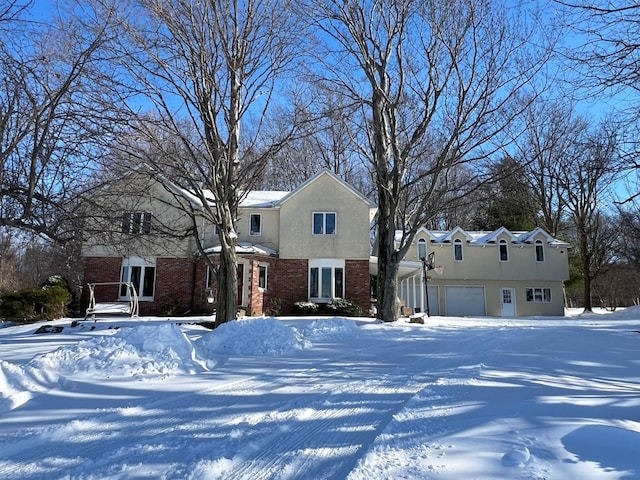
x=508, y=303
x=463, y=301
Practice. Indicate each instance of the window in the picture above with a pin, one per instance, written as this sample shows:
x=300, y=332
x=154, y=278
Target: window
x=324, y=223
x=326, y=279
x=216, y=230
x=256, y=220
x=504, y=255
x=422, y=249
x=539, y=251
x=457, y=250
x=142, y=274
x=262, y=277
x=136, y=222
x=538, y=295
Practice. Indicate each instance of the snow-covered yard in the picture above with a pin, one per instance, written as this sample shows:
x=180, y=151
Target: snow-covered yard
x=456, y=398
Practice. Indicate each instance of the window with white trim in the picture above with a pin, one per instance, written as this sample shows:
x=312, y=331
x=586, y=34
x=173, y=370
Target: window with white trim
x=326, y=280
x=457, y=250
x=504, y=253
x=262, y=276
x=255, y=227
x=142, y=274
x=324, y=223
x=538, y=295
x=539, y=251
x=422, y=249
x=135, y=223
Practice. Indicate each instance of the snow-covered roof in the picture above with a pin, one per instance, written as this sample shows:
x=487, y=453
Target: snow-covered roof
x=481, y=237
x=245, y=248
x=263, y=198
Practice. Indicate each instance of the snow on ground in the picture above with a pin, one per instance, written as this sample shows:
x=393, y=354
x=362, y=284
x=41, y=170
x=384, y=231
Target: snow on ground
x=323, y=398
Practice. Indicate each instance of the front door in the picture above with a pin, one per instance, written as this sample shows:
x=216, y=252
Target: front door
x=507, y=301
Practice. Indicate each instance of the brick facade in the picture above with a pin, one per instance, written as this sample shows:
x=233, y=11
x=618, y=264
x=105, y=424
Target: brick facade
x=358, y=283
x=290, y=284
x=101, y=269
x=181, y=285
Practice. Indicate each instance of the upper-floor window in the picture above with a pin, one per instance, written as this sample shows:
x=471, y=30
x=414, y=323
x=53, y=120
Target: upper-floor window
x=136, y=222
x=422, y=249
x=504, y=253
x=256, y=224
x=324, y=223
x=457, y=250
x=216, y=230
x=539, y=251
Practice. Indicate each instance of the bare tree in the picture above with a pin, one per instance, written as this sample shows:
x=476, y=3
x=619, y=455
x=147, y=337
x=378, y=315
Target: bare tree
x=586, y=176
x=435, y=81
x=550, y=132
x=204, y=74
x=50, y=124
x=610, y=51
x=607, y=61
x=323, y=142
x=629, y=242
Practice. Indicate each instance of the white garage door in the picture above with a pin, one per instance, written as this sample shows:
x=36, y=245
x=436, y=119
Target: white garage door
x=465, y=301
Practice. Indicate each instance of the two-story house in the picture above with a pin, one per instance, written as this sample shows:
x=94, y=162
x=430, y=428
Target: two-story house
x=499, y=273
x=310, y=244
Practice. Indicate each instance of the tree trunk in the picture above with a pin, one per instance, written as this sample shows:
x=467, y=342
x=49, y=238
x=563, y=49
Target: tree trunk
x=388, y=262
x=586, y=271
x=227, y=275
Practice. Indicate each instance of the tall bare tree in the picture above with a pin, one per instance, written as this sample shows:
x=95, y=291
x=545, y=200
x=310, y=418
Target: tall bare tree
x=547, y=137
x=610, y=51
x=50, y=122
x=204, y=75
x=606, y=60
x=586, y=176
x=435, y=81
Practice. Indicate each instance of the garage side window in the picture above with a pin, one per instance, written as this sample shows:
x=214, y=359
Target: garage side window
x=538, y=295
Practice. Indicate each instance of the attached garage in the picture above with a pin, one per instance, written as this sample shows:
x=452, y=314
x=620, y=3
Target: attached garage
x=464, y=301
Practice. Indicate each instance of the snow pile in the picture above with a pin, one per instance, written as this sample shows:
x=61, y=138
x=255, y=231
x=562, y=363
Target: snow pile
x=629, y=313
x=18, y=384
x=15, y=386
x=331, y=328
x=251, y=337
x=131, y=352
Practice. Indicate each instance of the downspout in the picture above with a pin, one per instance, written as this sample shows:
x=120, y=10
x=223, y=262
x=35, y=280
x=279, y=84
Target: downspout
x=193, y=284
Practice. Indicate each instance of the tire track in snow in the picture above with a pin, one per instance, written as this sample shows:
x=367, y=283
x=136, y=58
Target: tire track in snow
x=319, y=421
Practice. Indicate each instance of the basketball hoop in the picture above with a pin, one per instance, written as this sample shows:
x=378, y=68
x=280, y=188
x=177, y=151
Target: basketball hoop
x=430, y=261
x=439, y=269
